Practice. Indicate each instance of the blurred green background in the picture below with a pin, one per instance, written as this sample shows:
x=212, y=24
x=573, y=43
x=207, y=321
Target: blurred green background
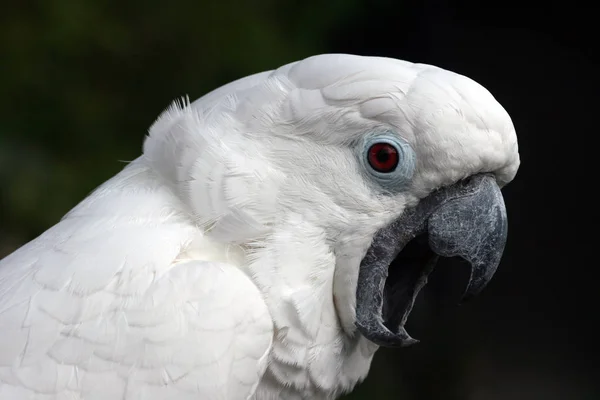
x=82, y=80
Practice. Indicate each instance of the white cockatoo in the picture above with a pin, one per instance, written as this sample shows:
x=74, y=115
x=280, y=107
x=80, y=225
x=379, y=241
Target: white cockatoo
x=245, y=254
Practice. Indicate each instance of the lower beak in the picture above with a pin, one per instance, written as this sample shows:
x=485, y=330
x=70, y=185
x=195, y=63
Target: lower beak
x=467, y=219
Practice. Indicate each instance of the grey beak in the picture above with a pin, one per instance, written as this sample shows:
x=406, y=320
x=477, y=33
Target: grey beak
x=467, y=219
x=474, y=227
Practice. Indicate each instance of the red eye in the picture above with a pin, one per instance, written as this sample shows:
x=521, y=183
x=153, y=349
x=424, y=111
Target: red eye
x=383, y=157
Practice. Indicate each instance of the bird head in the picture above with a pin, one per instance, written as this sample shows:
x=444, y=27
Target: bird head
x=376, y=166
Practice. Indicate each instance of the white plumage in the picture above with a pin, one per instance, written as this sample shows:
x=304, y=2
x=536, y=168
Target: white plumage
x=222, y=263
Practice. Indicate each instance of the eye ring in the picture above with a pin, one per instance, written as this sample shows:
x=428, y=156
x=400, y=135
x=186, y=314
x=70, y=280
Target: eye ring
x=383, y=157
x=393, y=170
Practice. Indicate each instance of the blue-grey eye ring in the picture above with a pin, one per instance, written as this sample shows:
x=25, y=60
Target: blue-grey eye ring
x=389, y=159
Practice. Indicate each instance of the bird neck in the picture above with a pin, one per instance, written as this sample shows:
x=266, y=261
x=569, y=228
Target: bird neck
x=312, y=356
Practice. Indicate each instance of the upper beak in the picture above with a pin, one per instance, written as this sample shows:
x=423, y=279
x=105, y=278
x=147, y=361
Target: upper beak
x=467, y=219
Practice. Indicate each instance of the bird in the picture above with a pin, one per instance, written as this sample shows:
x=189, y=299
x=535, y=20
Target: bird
x=271, y=237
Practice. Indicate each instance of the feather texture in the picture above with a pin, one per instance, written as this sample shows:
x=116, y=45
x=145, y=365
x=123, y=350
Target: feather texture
x=223, y=263
x=108, y=304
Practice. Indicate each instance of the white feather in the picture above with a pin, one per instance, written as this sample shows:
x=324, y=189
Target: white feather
x=222, y=264
x=115, y=310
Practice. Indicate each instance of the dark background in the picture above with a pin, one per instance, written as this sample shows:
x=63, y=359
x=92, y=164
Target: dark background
x=82, y=80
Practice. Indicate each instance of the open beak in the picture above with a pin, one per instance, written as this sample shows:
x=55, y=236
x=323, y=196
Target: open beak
x=467, y=219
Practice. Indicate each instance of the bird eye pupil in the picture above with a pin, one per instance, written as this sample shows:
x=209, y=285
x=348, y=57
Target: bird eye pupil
x=383, y=157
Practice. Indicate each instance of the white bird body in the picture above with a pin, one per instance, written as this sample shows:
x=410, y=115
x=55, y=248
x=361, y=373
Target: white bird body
x=222, y=263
